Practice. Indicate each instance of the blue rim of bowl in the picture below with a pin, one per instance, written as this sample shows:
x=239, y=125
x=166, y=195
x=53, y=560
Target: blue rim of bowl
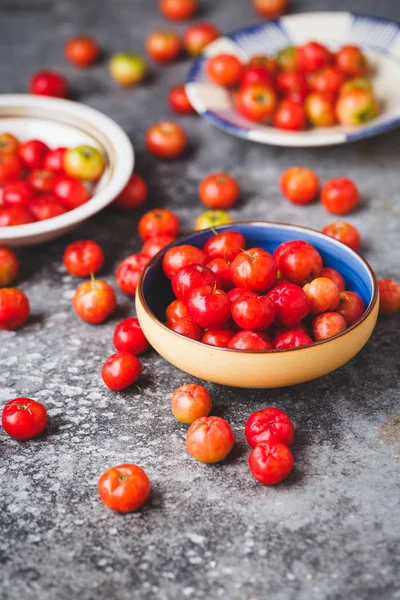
x=242, y=132
x=220, y=228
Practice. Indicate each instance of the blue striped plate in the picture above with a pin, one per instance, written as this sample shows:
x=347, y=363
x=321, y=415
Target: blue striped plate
x=379, y=38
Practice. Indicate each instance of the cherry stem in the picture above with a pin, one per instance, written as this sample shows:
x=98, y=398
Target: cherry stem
x=139, y=388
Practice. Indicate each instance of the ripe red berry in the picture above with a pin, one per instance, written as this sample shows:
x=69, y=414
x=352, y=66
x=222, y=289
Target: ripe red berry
x=83, y=258
x=121, y=370
x=129, y=337
x=269, y=425
x=270, y=463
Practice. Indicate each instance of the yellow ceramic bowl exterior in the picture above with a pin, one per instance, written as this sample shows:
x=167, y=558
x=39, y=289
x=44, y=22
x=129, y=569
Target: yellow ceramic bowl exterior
x=255, y=369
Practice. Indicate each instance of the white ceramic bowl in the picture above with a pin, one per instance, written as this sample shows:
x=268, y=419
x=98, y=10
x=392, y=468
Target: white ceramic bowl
x=379, y=38
x=65, y=123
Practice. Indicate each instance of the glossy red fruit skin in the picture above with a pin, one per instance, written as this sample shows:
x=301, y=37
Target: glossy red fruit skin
x=335, y=276
x=46, y=207
x=209, y=439
x=191, y=277
x=15, y=215
x=219, y=191
x=23, y=418
x=121, y=370
x=250, y=340
x=48, y=83
x=14, y=308
x=222, y=268
x=257, y=102
x=124, y=488
x=351, y=61
x=208, y=307
x=299, y=264
x=270, y=9
x=291, y=303
x=290, y=116
x=300, y=327
x=33, y=154
x=83, y=258
x=254, y=269
x=291, y=339
x=236, y=293
x=351, y=307
x=9, y=266
x=152, y=246
x=82, y=51
x=190, y=402
x=313, y=56
x=178, y=10
x=218, y=337
x=187, y=328
x=17, y=193
x=133, y=195
x=129, y=272
x=179, y=101
x=271, y=463
x=166, y=139
x=71, y=192
x=253, y=74
x=327, y=325
x=389, y=297
x=224, y=69
x=339, y=196
x=300, y=185
x=158, y=221
x=41, y=180
x=181, y=256
x=129, y=337
x=279, y=250
x=320, y=109
x=292, y=83
x=9, y=144
x=323, y=295
x=10, y=168
x=345, y=233
x=199, y=35
x=94, y=301
x=54, y=160
x=269, y=425
x=328, y=80
x=227, y=244
x=175, y=311
x=163, y=46
x=253, y=312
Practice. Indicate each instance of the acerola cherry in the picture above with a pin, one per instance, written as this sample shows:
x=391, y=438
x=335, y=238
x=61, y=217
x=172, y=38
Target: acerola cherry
x=82, y=51
x=224, y=69
x=23, y=418
x=291, y=339
x=227, y=245
x=313, y=56
x=328, y=80
x=129, y=337
x=270, y=9
x=121, y=370
x=41, y=180
x=344, y=232
x=212, y=218
x=187, y=328
x=208, y=307
x=222, y=269
x=389, y=297
x=250, y=340
x=175, y=311
x=46, y=207
x=285, y=245
x=351, y=307
x=10, y=168
x=153, y=245
x=209, y=439
x=218, y=337
x=158, y=221
x=181, y=256
x=356, y=107
x=179, y=101
x=254, y=269
x=178, y=10
x=9, y=144
x=253, y=312
x=334, y=276
x=270, y=463
x=191, y=277
x=166, y=139
x=124, y=488
x=94, y=301
x=70, y=191
x=17, y=193
x=83, y=258
x=257, y=102
x=129, y=272
x=219, y=190
x=9, y=266
x=327, y=325
x=163, y=46
x=254, y=74
x=322, y=294
x=269, y=425
x=299, y=264
x=340, y=196
x=300, y=185
x=190, y=402
x=291, y=303
x=14, y=308
x=133, y=195
x=199, y=35
x=236, y=293
x=14, y=215
x=290, y=116
x=54, y=160
x=351, y=61
x=320, y=110
x=286, y=59
x=48, y=83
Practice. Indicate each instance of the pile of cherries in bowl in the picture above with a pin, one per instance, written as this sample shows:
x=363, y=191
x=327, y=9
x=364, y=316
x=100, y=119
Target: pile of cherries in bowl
x=38, y=183
x=302, y=86
x=248, y=299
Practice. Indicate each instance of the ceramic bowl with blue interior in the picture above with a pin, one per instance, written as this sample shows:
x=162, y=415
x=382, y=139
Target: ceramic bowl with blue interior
x=379, y=39
x=259, y=369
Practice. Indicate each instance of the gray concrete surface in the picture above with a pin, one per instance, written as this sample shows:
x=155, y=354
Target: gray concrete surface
x=331, y=531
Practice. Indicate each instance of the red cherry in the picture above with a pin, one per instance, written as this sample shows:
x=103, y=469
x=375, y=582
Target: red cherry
x=291, y=303
x=227, y=245
x=191, y=277
x=250, y=340
x=208, y=307
x=269, y=425
x=291, y=339
x=253, y=312
x=254, y=269
x=222, y=269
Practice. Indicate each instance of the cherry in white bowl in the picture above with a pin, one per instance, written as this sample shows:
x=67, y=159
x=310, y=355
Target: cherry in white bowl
x=64, y=123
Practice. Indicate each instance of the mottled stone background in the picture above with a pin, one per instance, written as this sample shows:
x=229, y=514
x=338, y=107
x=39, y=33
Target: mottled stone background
x=331, y=531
